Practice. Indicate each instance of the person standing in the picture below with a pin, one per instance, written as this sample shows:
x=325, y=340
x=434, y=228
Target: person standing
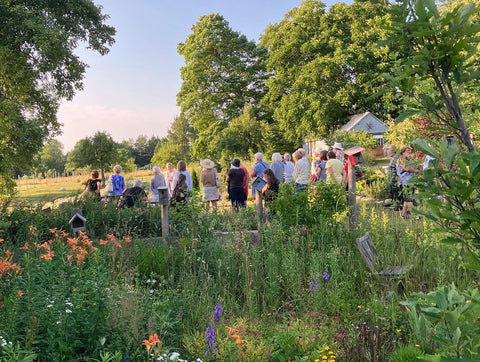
x=169, y=178
x=156, y=181
x=335, y=170
x=393, y=180
x=258, y=169
x=406, y=168
x=277, y=166
x=182, y=170
x=235, y=180
x=338, y=149
x=287, y=160
x=301, y=170
x=208, y=178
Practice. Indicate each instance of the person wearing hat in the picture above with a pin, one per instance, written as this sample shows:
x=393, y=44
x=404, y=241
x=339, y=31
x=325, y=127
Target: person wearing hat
x=210, y=182
x=236, y=178
x=315, y=160
x=338, y=149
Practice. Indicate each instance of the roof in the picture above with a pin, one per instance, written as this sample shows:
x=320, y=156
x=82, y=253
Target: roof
x=77, y=215
x=365, y=122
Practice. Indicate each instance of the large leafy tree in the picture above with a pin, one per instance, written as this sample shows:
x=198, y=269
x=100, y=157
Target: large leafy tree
x=99, y=151
x=326, y=66
x=223, y=72
x=177, y=145
x=38, y=68
x=440, y=61
x=52, y=159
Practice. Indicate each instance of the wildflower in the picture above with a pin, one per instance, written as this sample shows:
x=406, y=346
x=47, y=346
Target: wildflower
x=68, y=311
x=103, y=242
x=314, y=285
x=48, y=256
x=25, y=246
x=110, y=237
x=399, y=330
x=1, y=241
x=174, y=356
x=127, y=239
x=152, y=341
x=19, y=293
x=72, y=241
x=217, y=313
x=326, y=276
x=117, y=244
x=210, y=340
x=53, y=230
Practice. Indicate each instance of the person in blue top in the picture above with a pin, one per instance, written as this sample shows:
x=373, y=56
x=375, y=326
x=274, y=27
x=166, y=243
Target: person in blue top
x=258, y=169
x=117, y=181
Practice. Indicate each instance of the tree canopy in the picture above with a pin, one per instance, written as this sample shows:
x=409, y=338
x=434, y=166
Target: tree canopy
x=223, y=72
x=38, y=68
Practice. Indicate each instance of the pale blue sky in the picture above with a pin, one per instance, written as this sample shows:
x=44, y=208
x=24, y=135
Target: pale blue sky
x=132, y=90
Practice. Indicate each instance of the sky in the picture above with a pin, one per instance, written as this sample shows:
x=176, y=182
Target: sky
x=132, y=90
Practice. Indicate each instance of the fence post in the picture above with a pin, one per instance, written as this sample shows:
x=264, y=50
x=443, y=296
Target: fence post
x=165, y=225
x=352, y=198
x=259, y=206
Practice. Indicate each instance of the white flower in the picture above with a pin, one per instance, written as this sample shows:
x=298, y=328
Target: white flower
x=148, y=281
x=69, y=304
x=58, y=322
x=174, y=356
x=68, y=311
x=50, y=306
x=151, y=291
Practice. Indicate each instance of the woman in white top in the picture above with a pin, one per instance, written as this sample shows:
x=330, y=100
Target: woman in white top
x=301, y=170
x=182, y=169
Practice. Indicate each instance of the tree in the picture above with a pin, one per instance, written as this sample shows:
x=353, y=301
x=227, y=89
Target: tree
x=177, y=145
x=99, y=151
x=223, y=71
x=38, y=68
x=441, y=47
x=142, y=149
x=52, y=158
x=326, y=66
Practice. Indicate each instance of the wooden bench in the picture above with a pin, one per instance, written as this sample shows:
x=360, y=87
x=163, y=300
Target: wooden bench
x=370, y=255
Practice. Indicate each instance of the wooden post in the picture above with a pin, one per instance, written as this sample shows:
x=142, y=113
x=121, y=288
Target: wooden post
x=165, y=225
x=352, y=198
x=259, y=206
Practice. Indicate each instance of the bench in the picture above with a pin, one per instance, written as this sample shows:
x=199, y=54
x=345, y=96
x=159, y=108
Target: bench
x=370, y=255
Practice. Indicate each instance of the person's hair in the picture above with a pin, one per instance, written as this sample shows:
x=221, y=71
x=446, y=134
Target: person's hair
x=156, y=170
x=276, y=157
x=137, y=183
x=331, y=154
x=297, y=155
x=287, y=157
x=168, y=164
x=301, y=152
x=117, y=168
x=95, y=174
x=258, y=156
x=405, y=148
x=323, y=155
x=181, y=165
x=270, y=177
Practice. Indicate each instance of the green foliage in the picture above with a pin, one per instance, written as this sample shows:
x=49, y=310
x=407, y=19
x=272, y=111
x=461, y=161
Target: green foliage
x=99, y=151
x=177, y=145
x=39, y=67
x=449, y=189
x=354, y=138
x=223, y=72
x=142, y=149
x=446, y=323
x=195, y=180
x=319, y=203
x=323, y=63
x=52, y=158
x=438, y=47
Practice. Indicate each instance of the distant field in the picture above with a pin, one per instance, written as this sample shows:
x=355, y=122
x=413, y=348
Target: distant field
x=50, y=189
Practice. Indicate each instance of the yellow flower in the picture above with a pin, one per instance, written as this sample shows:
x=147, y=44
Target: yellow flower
x=399, y=330
x=327, y=348
x=417, y=345
x=359, y=307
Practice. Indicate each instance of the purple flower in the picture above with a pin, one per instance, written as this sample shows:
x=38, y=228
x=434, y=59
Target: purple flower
x=314, y=285
x=326, y=276
x=217, y=313
x=210, y=340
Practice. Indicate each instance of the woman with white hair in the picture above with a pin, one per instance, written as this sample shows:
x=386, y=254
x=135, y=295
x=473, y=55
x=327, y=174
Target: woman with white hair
x=117, y=181
x=277, y=166
x=258, y=169
x=156, y=181
x=301, y=170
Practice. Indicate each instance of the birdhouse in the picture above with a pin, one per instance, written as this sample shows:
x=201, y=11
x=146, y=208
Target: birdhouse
x=77, y=222
x=355, y=155
x=258, y=183
x=162, y=195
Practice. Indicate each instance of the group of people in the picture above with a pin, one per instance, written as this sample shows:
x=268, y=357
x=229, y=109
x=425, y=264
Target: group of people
x=326, y=166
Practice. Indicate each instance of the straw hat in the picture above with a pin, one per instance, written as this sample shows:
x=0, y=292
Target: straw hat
x=338, y=145
x=207, y=163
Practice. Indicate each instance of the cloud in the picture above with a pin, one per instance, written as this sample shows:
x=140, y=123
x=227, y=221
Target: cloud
x=84, y=120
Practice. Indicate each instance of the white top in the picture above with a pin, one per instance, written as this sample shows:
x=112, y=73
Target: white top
x=301, y=172
x=188, y=179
